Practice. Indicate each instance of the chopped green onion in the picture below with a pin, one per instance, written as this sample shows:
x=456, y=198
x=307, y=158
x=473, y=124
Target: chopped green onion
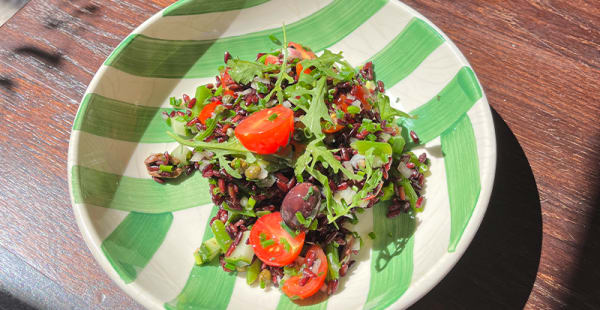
x=353, y=109
x=333, y=261
x=253, y=271
x=251, y=203
x=264, y=242
x=301, y=219
x=262, y=213
x=286, y=244
x=223, y=238
x=273, y=117
x=308, y=194
x=166, y=168
x=288, y=229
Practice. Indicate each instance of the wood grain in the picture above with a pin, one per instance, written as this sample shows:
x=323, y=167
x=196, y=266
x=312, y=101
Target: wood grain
x=539, y=63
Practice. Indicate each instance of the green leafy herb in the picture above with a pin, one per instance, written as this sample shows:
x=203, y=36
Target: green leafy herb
x=231, y=146
x=243, y=71
x=385, y=109
x=282, y=75
x=324, y=64
x=273, y=117
x=317, y=109
x=176, y=103
x=274, y=39
x=369, y=126
x=372, y=235
x=315, y=152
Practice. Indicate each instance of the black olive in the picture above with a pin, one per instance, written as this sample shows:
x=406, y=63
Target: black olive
x=304, y=198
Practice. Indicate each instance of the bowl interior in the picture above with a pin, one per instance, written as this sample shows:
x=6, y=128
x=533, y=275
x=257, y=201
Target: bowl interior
x=143, y=233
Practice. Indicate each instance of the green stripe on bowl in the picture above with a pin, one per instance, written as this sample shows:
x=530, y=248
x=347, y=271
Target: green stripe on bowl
x=113, y=191
x=462, y=173
x=446, y=108
x=208, y=286
x=391, y=257
x=119, y=120
x=151, y=57
x=193, y=7
x=406, y=52
x=132, y=244
x=112, y=118
x=287, y=304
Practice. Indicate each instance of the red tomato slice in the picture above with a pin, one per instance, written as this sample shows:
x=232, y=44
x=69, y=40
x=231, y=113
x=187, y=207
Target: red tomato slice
x=292, y=286
x=271, y=59
x=207, y=111
x=341, y=103
x=359, y=92
x=272, y=244
x=265, y=131
x=299, y=69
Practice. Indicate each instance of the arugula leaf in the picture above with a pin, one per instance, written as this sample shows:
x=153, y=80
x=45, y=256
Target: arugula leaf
x=325, y=64
x=231, y=147
x=374, y=178
x=386, y=111
x=317, y=109
x=274, y=39
x=243, y=71
x=226, y=164
x=282, y=73
x=315, y=152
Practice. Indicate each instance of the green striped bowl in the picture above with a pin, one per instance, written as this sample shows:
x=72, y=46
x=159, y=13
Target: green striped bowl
x=143, y=233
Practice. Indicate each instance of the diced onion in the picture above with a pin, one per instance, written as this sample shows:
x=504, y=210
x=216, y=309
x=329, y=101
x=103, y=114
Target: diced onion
x=267, y=181
x=405, y=171
x=357, y=161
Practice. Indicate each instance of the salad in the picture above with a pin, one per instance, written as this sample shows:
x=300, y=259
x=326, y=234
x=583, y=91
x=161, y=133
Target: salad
x=294, y=146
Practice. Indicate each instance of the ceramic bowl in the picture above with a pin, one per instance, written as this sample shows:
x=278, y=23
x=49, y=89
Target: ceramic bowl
x=143, y=233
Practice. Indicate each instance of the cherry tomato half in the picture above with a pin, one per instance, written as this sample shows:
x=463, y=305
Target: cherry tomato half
x=292, y=286
x=306, y=54
x=207, y=111
x=341, y=103
x=360, y=93
x=333, y=128
x=272, y=244
x=299, y=69
x=265, y=131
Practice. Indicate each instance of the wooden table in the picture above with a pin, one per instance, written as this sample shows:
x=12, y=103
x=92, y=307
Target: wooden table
x=539, y=63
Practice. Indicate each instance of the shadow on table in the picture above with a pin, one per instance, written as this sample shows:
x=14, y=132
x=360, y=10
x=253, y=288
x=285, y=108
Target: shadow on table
x=583, y=285
x=499, y=268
